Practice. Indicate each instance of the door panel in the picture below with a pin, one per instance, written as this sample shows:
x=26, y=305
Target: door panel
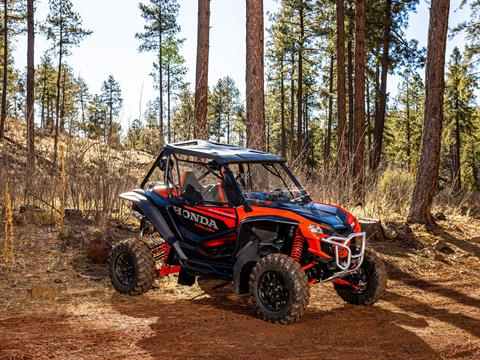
x=203, y=224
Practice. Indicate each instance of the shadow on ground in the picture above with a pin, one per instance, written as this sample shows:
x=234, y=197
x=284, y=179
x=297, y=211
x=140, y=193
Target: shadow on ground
x=224, y=328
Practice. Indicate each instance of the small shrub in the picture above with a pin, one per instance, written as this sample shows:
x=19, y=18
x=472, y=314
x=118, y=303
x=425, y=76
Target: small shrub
x=44, y=218
x=396, y=188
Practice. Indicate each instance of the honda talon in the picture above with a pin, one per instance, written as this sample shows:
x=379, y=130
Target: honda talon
x=231, y=213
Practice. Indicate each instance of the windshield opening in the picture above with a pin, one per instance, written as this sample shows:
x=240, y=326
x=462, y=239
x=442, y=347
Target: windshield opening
x=266, y=182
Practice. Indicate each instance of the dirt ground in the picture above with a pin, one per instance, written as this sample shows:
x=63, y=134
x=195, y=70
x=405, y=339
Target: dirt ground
x=56, y=304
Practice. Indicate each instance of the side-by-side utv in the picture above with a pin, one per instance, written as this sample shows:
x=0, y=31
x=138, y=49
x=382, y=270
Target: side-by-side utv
x=227, y=212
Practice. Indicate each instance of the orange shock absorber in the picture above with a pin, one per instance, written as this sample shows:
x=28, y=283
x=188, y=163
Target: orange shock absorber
x=297, y=247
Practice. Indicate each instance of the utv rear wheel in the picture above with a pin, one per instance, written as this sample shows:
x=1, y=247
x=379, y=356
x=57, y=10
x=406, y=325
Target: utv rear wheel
x=371, y=280
x=131, y=267
x=279, y=289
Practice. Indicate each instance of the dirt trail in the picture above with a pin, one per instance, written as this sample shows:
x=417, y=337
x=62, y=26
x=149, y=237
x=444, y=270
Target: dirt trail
x=431, y=311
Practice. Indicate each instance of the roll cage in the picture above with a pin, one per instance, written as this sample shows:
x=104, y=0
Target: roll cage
x=219, y=158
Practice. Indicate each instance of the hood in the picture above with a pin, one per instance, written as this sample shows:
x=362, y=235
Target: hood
x=330, y=215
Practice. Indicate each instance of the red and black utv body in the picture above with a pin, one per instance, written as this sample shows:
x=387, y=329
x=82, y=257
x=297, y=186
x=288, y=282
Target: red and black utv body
x=221, y=211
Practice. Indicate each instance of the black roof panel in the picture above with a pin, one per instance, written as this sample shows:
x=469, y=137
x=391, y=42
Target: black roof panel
x=222, y=153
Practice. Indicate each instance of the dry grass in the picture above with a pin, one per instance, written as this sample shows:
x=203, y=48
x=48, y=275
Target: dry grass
x=429, y=312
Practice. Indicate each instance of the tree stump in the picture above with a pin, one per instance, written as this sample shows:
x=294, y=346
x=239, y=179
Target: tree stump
x=373, y=228
x=98, y=250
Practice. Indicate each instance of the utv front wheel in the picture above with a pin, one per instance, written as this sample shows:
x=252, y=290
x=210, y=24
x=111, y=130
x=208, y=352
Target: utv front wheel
x=131, y=267
x=370, y=281
x=279, y=289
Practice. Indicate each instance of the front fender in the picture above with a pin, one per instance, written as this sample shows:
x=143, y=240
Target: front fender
x=152, y=213
x=250, y=245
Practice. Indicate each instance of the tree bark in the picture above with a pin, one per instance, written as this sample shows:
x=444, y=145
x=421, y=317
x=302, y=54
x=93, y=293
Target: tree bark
x=359, y=106
x=282, y=111
x=30, y=89
x=328, y=138
x=254, y=76
x=169, y=115
x=368, y=131
x=57, y=103
x=160, y=76
x=201, y=80
x=292, y=103
x=350, y=95
x=427, y=176
x=341, y=100
x=110, y=115
x=457, y=184
x=3, y=112
x=300, y=114
x=382, y=103
x=409, y=132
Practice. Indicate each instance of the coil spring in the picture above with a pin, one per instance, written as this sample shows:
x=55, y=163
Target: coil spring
x=297, y=247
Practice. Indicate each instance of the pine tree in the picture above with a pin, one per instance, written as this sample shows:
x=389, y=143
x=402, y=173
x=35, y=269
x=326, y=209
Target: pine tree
x=403, y=128
x=255, y=76
x=201, y=79
x=97, y=111
x=13, y=17
x=112, y=97
x=63, y=28
x=225, y=98
x=427, y=176
x=160, y=26
x=460, y=89
x=30, y=113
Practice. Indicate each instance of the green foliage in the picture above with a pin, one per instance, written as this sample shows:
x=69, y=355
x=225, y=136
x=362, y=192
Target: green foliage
x=224, y=103
x=97, y=111
x=460, y=117
x=396, y=188
x=183, y=115
x=471, y=27
x=160, y=23
x=64, y=26
x=403, y=131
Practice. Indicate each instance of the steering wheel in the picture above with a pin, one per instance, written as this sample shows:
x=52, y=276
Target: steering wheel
x=274, y=194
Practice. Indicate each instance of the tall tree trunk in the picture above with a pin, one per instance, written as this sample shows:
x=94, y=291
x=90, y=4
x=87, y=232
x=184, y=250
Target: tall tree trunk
x=292, y=103
x=382, y=104
x=409, y=131
x=110, y=116
x=228, y=128
x=341, y=100
x=62, y=106
x=359, y=128
x=57, y=104
x=369, y=118
x=201, y=80
x=30, y=90
x=427, y=176
x=457, y=184
x=350, y=94
x=328, y=138
x=283, y=141
x=254, y=76
x=160, y=76
x=169, y=115
x=3, y=112
x=300, y=83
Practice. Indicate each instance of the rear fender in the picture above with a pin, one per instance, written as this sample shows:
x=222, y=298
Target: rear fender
x=253, y=244
x=148, y=208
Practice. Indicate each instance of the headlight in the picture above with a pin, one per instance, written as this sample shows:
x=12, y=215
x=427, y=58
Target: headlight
x=315, y=229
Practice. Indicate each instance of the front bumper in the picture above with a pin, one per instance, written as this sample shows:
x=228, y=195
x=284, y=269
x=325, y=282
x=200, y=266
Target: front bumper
x=351, y=262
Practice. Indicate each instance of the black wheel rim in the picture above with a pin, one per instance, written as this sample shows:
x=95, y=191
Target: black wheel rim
x=125, y=269
x=273, y=291
x=360, y=279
